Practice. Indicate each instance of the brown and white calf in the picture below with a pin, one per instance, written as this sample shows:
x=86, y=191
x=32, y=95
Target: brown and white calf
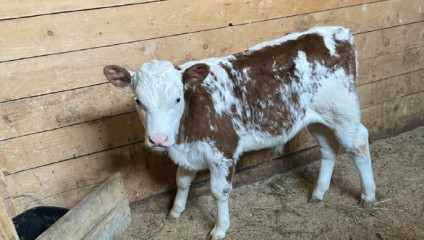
x=207, y=113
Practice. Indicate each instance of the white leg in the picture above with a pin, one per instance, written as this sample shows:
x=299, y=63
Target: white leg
x=357, y=144
x=184, y=179
x=328, y=147
x=363, y=163
x=221, y=188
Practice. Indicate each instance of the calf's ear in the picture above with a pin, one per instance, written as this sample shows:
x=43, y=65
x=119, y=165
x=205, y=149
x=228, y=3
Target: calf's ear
x=195, y=74
x=118, y=76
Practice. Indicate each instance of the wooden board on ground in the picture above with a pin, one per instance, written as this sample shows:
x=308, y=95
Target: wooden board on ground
x=102, y=214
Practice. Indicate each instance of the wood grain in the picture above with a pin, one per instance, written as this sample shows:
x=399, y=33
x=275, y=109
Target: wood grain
x=72, y=107
x=31, y=151
x=385, y=66
x=65, y=143
x=94, y=213
x=24, y=8
x=49, y=34
x=391, y=88
x=59, y=72
x=67, y=129
x=7, y=228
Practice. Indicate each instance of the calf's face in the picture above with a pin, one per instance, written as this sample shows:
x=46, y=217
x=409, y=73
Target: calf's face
x=158, y=93
x=158, y=88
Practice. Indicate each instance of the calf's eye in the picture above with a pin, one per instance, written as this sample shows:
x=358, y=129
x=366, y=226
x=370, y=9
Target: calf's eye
x=178, y=100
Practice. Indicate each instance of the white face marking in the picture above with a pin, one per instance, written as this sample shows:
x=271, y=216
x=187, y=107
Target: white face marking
x=159, y=89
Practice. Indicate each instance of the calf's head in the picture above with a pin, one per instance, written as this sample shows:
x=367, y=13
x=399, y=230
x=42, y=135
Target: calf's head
x=158, y=88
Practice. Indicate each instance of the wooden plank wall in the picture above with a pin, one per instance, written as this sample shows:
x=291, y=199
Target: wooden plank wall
x=64, y=129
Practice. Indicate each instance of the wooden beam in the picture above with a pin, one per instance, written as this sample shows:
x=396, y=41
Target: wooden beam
x=102, y=214
x=7, y=228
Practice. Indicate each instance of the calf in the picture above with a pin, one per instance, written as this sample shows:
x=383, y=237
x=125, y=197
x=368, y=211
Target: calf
x=207, y=113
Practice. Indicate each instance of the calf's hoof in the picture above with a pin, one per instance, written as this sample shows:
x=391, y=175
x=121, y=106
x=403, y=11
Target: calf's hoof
x=173, y=215
x=314, y=199
x=218, y=233
x=215, y=237
x=366, y=204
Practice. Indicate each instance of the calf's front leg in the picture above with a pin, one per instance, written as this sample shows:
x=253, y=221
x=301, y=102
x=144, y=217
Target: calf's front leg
x=221, y=187
x=184, y=179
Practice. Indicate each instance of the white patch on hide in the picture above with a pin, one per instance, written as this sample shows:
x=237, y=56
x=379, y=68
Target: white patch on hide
x=329, y=34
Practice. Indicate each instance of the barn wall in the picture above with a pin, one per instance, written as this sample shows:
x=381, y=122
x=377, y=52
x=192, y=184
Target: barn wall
x=63, y=129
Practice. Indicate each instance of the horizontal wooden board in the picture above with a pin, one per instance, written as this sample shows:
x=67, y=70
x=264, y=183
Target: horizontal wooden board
x=49, y=182
x=389, y=40
x=65, y=143
x=85, y=171
x=397, y=125
x=380, y=91
x=84, y=68
x=25, y=8
x=62, y=109
x=388, y=111
x=49, y=34
x=385, y=66
x=91, y=103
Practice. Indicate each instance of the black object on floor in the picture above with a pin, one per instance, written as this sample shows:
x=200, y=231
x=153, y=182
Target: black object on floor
x=33, y=222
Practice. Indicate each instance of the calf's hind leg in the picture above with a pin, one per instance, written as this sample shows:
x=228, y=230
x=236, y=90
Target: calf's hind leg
x=328, y=146
x=354, y=139
x=184, y=179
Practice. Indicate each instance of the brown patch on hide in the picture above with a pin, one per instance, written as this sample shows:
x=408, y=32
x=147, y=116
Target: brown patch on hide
x=347, y=56
x=272, y=68
x=268, y=86
x=231, y=171
x=198, y=117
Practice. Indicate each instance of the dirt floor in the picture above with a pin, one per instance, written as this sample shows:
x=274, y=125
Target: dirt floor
x=277, y=208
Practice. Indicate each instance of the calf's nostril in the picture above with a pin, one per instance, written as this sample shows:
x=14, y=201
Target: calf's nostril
x=151, y=141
